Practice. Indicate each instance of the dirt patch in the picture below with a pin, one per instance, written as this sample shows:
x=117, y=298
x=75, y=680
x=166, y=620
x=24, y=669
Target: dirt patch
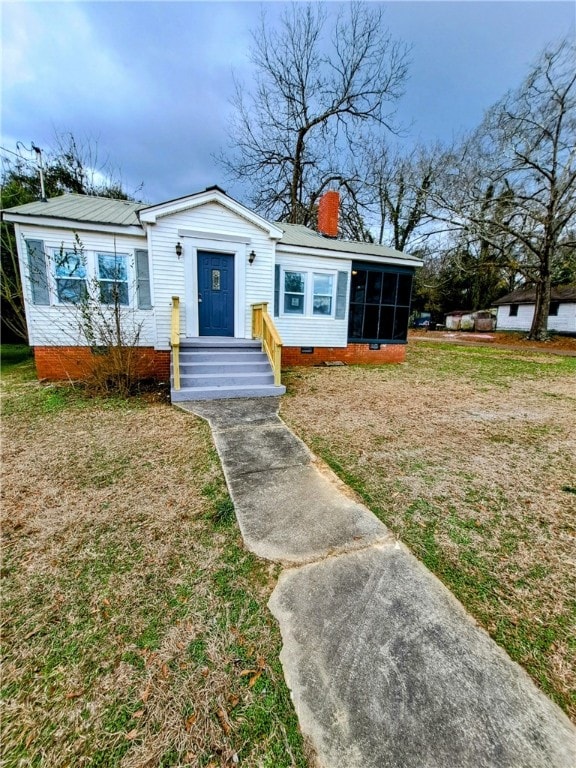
x=468, y=455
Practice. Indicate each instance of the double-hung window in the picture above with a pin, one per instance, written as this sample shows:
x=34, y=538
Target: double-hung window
x=70, y=277
x=323, y=295
x=294, y=292
x=113, y=278
x=308, y=293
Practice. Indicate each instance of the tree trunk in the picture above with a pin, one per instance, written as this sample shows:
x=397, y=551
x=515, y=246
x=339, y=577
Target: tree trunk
x=539, y=329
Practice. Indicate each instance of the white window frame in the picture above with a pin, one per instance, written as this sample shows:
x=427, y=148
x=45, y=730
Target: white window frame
x=92, y=279
x=53, y=277
x=99, y=280
x=308, y=273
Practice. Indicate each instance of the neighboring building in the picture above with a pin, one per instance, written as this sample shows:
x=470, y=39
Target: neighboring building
x=331, y=300
x=516, y=310
x=481, y=320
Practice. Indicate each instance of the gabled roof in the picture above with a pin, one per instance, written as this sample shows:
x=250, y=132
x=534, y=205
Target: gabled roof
x=300, y=236
x=106, y=211
x=563, y=293
x=88, y=208
x=150, y=214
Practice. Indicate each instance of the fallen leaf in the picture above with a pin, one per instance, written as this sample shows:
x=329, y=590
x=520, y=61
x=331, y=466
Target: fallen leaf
x=75, y=694
x=233, y=701
x=139, y=713
x=105, y=601
x=246, y=672
x=223, y=718
x=164, y=671
x=146, y=693
x=190, y=722
x=131, y=735
x=254, y=678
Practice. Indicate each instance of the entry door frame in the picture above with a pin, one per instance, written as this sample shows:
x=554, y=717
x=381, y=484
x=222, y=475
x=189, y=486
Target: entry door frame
x=230, y=246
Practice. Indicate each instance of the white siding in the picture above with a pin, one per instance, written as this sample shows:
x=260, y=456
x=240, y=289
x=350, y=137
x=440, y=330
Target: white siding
x=179, y=277
x=564, y=321
x=313, y=331
x=60, y=325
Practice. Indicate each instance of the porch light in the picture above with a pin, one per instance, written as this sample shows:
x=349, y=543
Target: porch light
x=178, y=249
x=251, y=257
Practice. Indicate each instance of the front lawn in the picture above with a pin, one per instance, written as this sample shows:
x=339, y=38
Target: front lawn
x=135, y=629
x=469, y=455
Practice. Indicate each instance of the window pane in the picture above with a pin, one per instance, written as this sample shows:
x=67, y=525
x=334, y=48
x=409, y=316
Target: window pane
x=355, y=321
x=389, y=287
x=70, y=264
x=294, y=303
x=358, y=290
x=371, y=322
x=404, y=290
x=112, y=267
x=401, y=323
x=322, y=305
x=386, y=323
x=294, y=282
x=374, y=289
x=70, y=291
x=323, y=290
x=110, y=293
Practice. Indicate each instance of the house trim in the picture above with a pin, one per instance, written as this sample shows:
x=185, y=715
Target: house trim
x=153, y=213
x=224, y=236
x=191, y=246
x=75, y=224
x=346, y=255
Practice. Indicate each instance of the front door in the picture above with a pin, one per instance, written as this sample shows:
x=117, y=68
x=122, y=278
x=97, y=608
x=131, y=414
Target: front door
x=215, y=294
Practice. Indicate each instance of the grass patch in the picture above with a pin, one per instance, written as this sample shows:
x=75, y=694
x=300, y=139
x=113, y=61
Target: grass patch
x=468, y=455
x=135, y=628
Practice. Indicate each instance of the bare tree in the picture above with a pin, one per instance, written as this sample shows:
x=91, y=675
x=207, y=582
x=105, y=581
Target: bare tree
x=401, y=187
x=525, y=152
x=295, y=133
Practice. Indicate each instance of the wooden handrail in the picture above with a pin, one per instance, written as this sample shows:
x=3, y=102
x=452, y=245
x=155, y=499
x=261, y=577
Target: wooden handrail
x=263, y=328
x=175, y=340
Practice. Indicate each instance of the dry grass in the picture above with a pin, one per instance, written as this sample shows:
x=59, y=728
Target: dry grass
x=135, y=629
x=468, y=454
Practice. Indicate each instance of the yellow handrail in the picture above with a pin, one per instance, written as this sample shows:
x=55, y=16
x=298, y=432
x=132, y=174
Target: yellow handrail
x=263, y=328
x=175, y=340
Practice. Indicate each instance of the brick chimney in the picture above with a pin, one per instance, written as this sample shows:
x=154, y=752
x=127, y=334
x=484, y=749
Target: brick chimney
x=328, y=209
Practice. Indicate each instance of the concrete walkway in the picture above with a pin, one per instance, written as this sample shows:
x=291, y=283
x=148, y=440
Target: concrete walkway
x=385, y=667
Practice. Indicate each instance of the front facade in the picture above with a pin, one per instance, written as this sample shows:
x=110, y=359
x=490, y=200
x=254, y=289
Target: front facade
x=516, y=310
x=329, y=299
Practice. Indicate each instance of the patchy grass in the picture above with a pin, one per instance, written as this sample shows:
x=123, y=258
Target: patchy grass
x=469, y=455
x=135, y=629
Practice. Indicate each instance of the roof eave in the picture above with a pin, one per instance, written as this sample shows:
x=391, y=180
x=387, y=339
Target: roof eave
x=57, y=222
x=403, y=261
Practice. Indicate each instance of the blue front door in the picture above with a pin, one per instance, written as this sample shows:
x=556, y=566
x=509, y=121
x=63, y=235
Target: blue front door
x=215, y=294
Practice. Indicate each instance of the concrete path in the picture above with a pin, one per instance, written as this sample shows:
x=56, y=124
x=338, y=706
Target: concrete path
x=385, y=667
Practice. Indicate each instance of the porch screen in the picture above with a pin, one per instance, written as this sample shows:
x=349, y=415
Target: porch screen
x=379, y=303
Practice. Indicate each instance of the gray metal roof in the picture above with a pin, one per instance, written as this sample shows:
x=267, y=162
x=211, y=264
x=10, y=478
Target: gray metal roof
x=97, y=210
x=301, y=236
x=104, y=210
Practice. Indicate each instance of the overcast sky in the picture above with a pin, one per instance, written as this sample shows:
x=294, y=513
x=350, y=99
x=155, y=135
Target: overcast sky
x=151, y=81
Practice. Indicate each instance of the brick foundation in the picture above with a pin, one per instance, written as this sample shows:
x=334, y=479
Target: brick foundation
x=75, y=363
x=353, y=353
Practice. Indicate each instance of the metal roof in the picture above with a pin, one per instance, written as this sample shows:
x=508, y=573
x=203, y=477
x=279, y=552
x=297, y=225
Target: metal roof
x=96, y=210
x=105, y=210
x=300, y=236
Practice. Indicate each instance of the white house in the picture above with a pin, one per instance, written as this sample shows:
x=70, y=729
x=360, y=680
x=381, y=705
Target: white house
x=516, y=310
x=194, y=272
